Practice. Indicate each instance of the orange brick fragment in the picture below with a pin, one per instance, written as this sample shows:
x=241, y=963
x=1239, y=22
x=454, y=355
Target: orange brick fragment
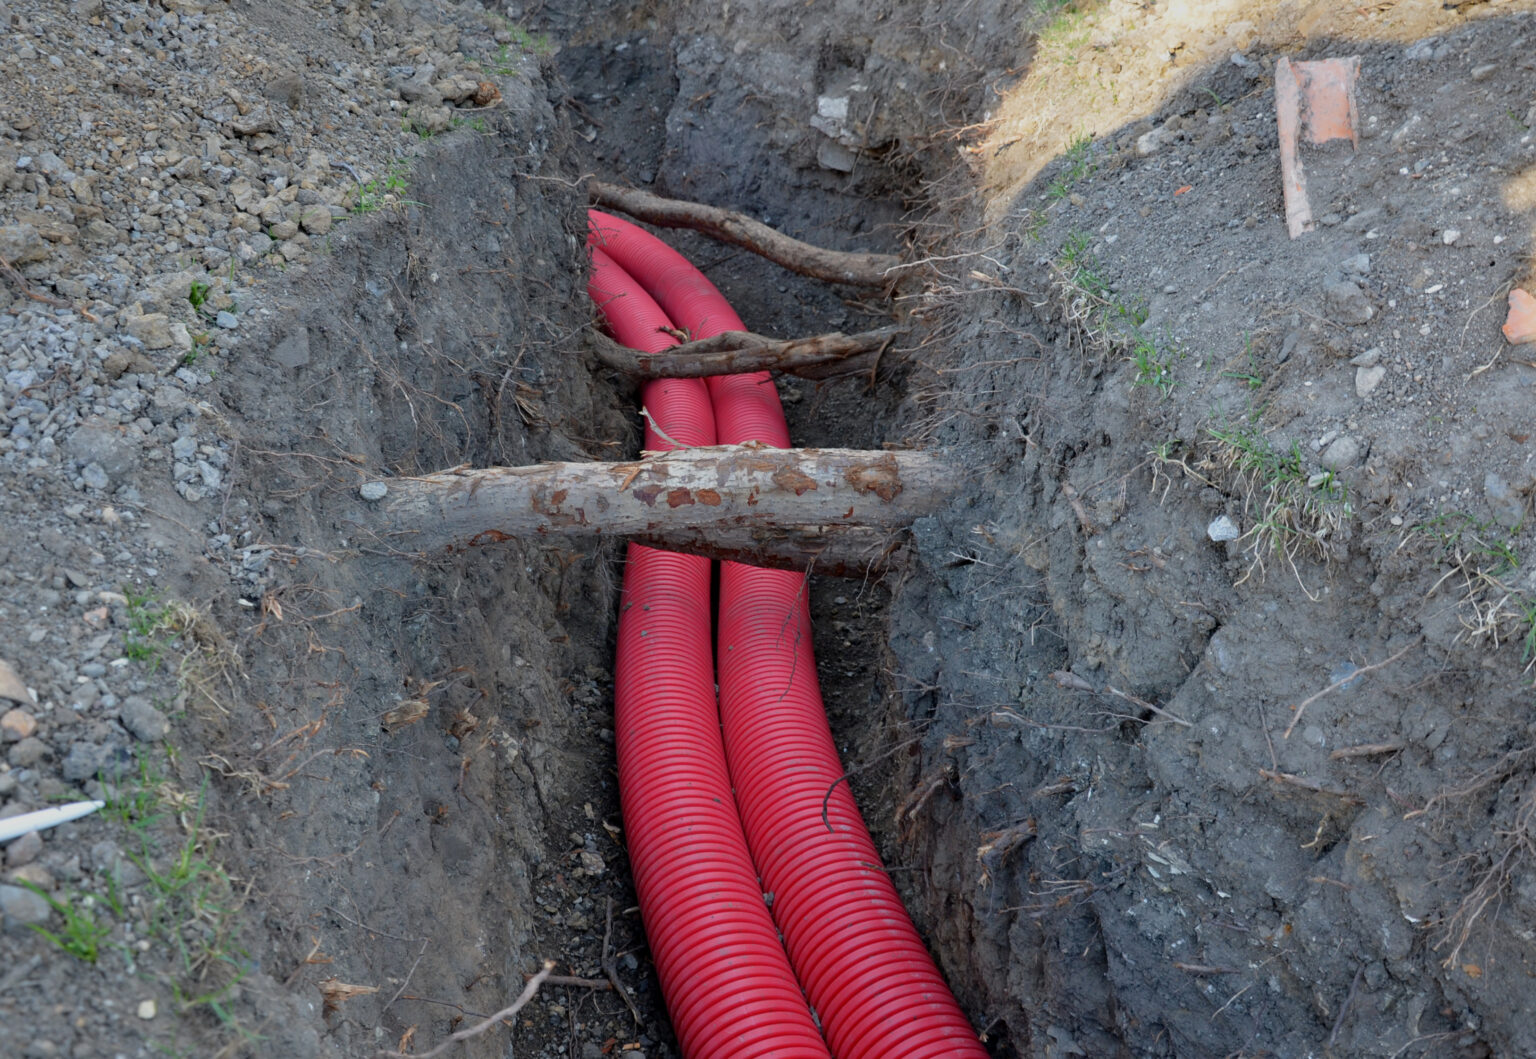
x=1521, y=325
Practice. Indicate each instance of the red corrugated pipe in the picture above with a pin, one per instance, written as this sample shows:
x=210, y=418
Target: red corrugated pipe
x=723, y=971
x=860, y=960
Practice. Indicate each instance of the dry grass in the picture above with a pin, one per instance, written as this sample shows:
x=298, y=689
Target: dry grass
x=1480, y=563
x=1292, y=513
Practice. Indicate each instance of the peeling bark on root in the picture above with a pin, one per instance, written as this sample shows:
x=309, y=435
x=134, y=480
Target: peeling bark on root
x=834, y=266
x=740, y=352
x=833, y=510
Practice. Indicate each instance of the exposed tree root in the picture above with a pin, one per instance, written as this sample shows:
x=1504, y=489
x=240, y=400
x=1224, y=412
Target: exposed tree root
x=834, y=266
x=740, y=352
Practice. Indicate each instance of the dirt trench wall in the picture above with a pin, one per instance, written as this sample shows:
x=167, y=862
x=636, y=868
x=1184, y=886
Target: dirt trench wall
x=414, y=732
x=1097, y=878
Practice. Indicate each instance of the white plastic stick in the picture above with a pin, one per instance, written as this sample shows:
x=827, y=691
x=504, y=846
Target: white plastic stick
x=16, y=826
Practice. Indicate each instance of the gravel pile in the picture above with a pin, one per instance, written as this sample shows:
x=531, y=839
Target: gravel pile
x=160, y=163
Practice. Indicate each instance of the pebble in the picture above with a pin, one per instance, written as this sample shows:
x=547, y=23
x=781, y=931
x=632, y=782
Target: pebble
x=22, y=908
x=1346, y=303
x=1508, y=505
x=93, y=475
x=17, y=724
x=142, y=720
x=24, y=850
x=153, y=330
x=373, y=490
x=1451, y=236
x=28, y=752
x=1342, y=454
x=86, y=761
x=1222, y=528
x=227, y=320
x=147, y=1009
x=1368, y=378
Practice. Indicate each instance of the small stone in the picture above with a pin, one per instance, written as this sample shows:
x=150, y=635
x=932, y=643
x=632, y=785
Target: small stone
x=1223, y=528
x=1368, y=378
x=316, y=220
x=1508, y=505
x=86, y=761
x=94, y=476
x=373, y=490
x=35, y=874
x=257, y=121
x=24, y=850
x=141, y=719
x=1370, y=358
x=20, y=244
x=184, y=448
x=147, y=1009
x=287, y=87
x=1485, y=71
x=1450, y=236
x=102, y=442
x=1346, y=303
x=152, y=329
x=1342, y=454
x=22, y=908
x=285, y=230
x=17, y=725
x=591, y=863
x=227, y=320
x=27, y=753
x=1149, y=142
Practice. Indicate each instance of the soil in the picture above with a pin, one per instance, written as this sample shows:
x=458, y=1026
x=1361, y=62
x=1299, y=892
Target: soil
x=1148, y=792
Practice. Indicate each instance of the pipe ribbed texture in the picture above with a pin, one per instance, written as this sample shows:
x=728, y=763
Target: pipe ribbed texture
x=726, y=979
x=852, y=944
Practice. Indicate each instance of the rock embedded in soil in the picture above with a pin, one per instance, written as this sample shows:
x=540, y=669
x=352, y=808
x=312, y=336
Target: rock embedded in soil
x=1368, y=378
x=1343, y=453
x=24, y=850
x=20, y=244
x=1346, y=303
x=22, y=908
x=17, y=724
x=142, y=720
x=1222, y=528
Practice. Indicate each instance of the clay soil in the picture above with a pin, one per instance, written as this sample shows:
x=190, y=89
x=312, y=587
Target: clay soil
x=1199, y=725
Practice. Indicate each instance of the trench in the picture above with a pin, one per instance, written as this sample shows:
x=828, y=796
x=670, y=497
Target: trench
x=427, y=788
x=433, y=751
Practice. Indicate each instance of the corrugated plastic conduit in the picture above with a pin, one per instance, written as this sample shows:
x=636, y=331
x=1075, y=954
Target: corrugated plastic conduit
x=853, y=948
x=723, y=971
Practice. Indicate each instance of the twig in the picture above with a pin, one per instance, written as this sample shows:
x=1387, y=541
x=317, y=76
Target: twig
x=1366, y=750
x=599, y=984
x=645, y=413
x=1338, y=1023
x=610, y=970
x=1144, y=704
x=474, y=1031
x=1337, y=684
x=1310, y=785
x=365, y=926
x=1070, y=492
x=834, y=266
x=826, y=799
x=17, y=278
x=417, y=963
x=1201, y=968
x=1067, y=679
